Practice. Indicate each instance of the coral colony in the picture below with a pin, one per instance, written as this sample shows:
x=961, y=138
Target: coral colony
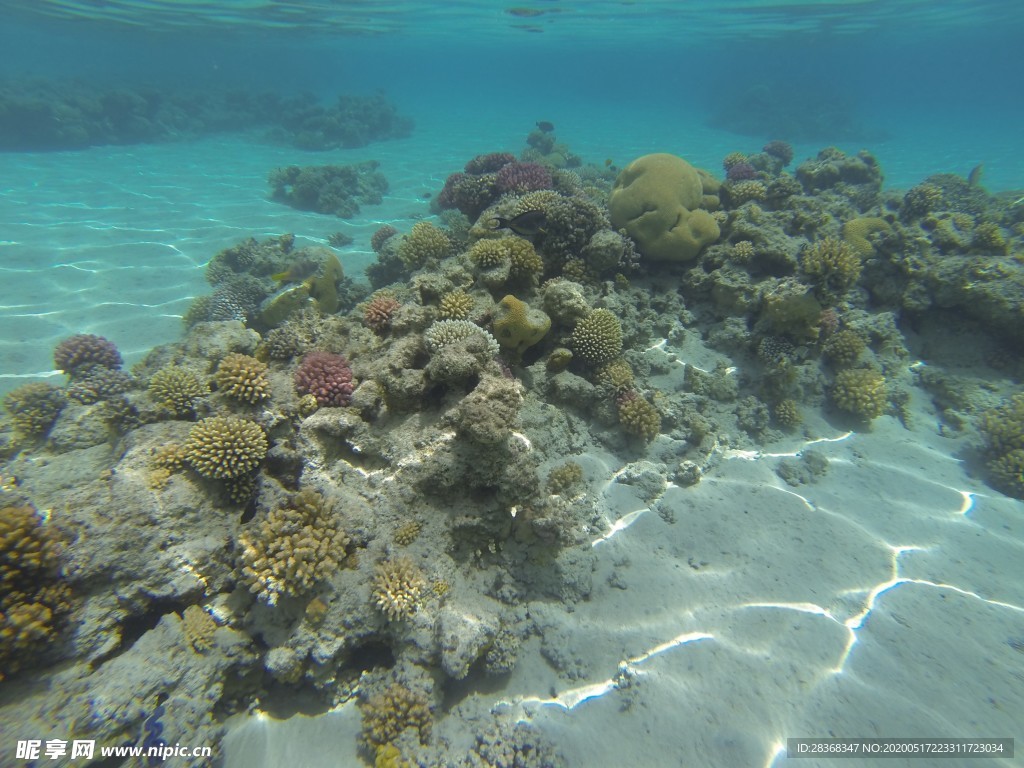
x=322, y=472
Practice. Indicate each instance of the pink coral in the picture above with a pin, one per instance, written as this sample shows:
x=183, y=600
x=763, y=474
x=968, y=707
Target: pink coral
x=326, y=376
x=523, y=177
x=84, y=351
x=378, y=311
x=489, y=163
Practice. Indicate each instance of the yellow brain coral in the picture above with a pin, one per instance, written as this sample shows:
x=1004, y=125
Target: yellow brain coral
x=597, y=338
x=657, y=200
x=517, y=326
x=860, y=391
x=225, y=447
x=242, y=377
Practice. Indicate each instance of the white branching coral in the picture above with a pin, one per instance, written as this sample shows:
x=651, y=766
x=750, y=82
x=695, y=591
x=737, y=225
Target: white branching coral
x=398, y=587
x=441, y=333
x=295, y=547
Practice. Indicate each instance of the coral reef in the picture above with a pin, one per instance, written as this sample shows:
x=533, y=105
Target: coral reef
x=83, y=351
x=338, y=190
x=33, y=408
x=518, y=327
x=831, y=265
x=455, y=305
x=443, y=333
x=176, y=389
x=225, y=447
x=843, y=348
x=242, y=377
x=1002, y=429
x=293, y=548
x=393, y=710
x=378, y=311
x=638, y=416
x=326, y=376
x=425, y=243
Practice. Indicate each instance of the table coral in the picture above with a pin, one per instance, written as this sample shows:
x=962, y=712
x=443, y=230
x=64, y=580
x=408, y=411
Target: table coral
x=860, y=391
x=398, y=586
x=597, y=338
x=294, y=548
x=176, y=389
x=326, y=376
x=242, y=377
x=225, y=447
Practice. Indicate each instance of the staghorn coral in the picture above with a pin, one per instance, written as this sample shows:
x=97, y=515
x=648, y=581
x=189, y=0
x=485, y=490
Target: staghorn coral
x=83, y=351
x=176, y=389
x=225, y=447
x=832, y=265
x=32, y=598
x=597, y=338
x=517, y=326
x=378, y=310
x=860, y=391
x=398, y=586
x=33, y=408
x=442, y=333
x=638, y=416
x=856, y=232
x=844, y=348
x=327, y=377
x=294, y=548
x=243, y=378
x=425, y=243
x=455, y=305
x=395, y=709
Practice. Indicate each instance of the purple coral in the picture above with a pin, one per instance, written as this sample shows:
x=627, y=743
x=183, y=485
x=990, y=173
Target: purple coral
x=780, y=150
x=741, y=172
x=84, y=351
x=523, y=177
x=326, y=376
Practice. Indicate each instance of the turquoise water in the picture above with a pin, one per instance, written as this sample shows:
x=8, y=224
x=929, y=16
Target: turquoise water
x=911, y=562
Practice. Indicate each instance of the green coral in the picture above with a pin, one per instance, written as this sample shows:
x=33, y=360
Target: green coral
x=242, y=377
x=225, y=447
x=176, y=389
x=32, y=598
x=1002, y=428
x=860, y=391
x=33, y=408
x=423, y=244
x=597, y=338
x=518, y=327
x=832, y=266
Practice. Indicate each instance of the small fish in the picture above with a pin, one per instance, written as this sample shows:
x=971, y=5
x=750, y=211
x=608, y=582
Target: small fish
x=545, y=126
x=607, y=162
x=974, y=177
x=527, y=224
x=297, y=272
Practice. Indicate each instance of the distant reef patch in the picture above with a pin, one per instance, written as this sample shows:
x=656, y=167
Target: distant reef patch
x=58, y=115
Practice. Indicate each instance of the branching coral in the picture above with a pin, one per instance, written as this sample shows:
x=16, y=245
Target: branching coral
x=638, y=416
x=597, y=338
x=860, y=391
x=1002, y=428
x=455, y=305
x=327, y=377
x=294, y=548
x=378, y=311
x=176, y=389
x=243, y=378
x=423, y=244
x=32, y=598
x=225, y=447
x=85, y=350
x=832, y=265
x=843, y=348
x=33, y=408
x=398, y=587
x=393, y=710
x=381, y=236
